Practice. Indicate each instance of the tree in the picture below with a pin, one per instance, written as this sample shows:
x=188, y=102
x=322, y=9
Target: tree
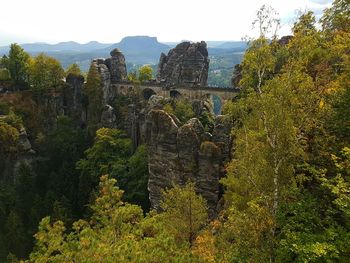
x=15, y=234
x=337, y=17
x=267, y=22
x=265, y=142
x=17, y=64
x=305, y=24
x=94, y=94
x=108, y=155
x=9, y=135
x=110, y=226
x=187, y=212
x=46, y=74
x=135, y=181
x=183, y=110
x=145, y=73
x=258, y=62
x=73, y=69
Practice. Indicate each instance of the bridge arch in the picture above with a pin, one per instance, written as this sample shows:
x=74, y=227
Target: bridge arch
x=147, y=93
x=175, y=94
x=216, y=101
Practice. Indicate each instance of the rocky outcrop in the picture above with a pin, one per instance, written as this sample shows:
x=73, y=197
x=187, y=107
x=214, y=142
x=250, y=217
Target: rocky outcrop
x=12, y=164
x=26, y=155
x=112, y=70
x=222, y=136
x=236, y=75
x=116, y=65
x=178, y=154
x=186, y=64
x=73, y=95
x=283, y=41
x=108, y=117
x=135, y=120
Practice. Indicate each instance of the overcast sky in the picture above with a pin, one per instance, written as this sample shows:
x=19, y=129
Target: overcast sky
x=108, y=21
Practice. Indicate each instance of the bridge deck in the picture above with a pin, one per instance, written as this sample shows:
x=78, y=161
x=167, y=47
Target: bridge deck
x=192, y=88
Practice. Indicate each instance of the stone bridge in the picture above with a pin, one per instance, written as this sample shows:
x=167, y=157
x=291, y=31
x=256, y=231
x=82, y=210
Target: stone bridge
x=149, y=89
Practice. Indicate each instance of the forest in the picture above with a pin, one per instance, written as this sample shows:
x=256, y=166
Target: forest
x=285, y=195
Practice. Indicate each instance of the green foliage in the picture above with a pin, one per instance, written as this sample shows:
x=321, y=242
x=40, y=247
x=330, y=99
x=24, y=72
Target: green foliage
x=145, y=73
x=4, y=74
x=286, y=201
x=94, y=94
x=17, y=64
x=112, y=154
x=132, y=76
x=286, y=193
x=108, y=155
x=183, y=110
x=337, y=17
x=187, y=212
x=15, y=233
x=305, y=24
x=9, y=135
x=207, y=120
x=73, y=69
x=258, y=62
x=116, y=232
x=135, y=181
x=45, y=74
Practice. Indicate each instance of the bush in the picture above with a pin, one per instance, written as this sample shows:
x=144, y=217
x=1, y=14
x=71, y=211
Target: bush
x=4, y=108
x=4, y=75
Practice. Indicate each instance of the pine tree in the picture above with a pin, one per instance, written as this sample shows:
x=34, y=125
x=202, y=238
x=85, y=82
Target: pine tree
x=186, y=210
x=94, y=94
x=17, y=64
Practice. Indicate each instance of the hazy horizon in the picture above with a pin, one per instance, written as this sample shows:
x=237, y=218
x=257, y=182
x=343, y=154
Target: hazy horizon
x=93, y=40
x=109, y=21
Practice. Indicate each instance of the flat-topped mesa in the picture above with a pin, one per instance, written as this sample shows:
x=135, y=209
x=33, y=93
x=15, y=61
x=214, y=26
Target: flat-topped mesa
x=187, y=64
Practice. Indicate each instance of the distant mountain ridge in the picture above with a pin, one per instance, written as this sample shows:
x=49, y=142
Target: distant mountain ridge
x=59, y=47
x=128, y=45
x=139, y=50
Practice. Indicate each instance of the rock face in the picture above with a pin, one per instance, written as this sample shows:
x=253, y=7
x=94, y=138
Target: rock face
x=116, y=66
x=108, y=117
x=178, y=154
x=25, y=156
x=73, y=95
x=186, y=64
x=236, y=75
x=285, y=40
x=112, y=70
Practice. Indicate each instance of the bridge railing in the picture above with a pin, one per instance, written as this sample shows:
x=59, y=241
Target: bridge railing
x=174, y=87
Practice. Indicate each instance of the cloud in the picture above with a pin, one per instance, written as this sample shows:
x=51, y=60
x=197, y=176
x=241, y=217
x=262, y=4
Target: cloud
x=321, y=2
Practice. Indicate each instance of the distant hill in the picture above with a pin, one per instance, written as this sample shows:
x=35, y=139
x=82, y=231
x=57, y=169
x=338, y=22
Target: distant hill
x=136, y=49
x=140, y=50
x=70, y=46
x=233, y=44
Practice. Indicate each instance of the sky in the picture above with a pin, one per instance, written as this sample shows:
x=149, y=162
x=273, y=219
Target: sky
x=108, y=21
